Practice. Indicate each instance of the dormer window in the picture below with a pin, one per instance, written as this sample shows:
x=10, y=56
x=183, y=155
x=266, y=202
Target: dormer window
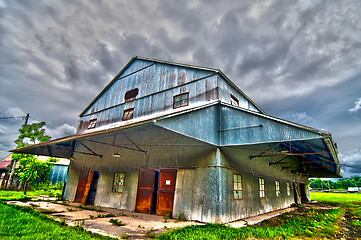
x=92, y=123
x=128, y=114
x=180, y=100
x=234, y=101
x=131, y=95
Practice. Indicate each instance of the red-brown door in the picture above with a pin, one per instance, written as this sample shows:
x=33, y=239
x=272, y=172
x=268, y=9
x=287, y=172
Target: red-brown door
x=145, y=191
x=167, y=179
x=84, y=183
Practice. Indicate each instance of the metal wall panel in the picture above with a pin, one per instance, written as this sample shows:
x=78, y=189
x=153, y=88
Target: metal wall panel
x=225, y=91
x=240, y=127
x=157, y=85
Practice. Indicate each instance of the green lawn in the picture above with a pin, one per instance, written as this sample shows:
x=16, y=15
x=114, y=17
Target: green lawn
x=336, y=197
x=305, y=223
x=19, y=195
x=25, y=223
x=294, y=225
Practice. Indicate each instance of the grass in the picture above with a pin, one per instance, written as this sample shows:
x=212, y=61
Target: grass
x=18, y=222
x=20, y=196
x=311, y=223
x=336, y=198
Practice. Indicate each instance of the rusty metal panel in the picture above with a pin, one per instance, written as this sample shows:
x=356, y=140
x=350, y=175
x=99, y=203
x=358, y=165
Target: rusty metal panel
x=167, y=180
x=157, y=84
x=83, y=179
x=87, y=187
x=145, y=190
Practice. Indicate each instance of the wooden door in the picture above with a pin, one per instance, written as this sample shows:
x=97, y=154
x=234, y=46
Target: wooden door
x=85, y=179
x=145, y=190
x=167, y=179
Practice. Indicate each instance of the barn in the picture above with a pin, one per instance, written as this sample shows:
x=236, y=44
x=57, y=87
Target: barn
x=170, y=138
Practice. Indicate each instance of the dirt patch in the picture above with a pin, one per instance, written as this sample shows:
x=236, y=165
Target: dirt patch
x=349, y=231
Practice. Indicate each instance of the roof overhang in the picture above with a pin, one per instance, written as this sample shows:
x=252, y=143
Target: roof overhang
x=314, y=155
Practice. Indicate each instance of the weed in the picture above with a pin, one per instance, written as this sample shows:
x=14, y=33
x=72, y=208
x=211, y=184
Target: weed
x=125, y=236
x=48, y=211
x=91, y=216
x=62, y=222
x=106, y=215
x=166, y=217
x=79, y=223
x=165, y=227
x=356, y=223
x=122, y=214
x=34, y=205
x=116, y=222
x=150, y=233
x=140, y=226
x=181, y=217
x=71, y=209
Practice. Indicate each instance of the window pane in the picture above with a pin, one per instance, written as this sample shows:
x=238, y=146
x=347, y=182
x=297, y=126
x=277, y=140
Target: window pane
x=240, y=194
x=235, y=178
x=235, y=194
x=121, y=181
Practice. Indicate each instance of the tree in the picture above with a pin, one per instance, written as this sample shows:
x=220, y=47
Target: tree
x=31, y=169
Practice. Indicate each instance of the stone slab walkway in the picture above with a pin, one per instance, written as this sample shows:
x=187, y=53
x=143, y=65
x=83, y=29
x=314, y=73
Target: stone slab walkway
x=138, y=225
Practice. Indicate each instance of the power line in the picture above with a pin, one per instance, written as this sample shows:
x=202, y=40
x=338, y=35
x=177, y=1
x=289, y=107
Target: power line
x=12, y=117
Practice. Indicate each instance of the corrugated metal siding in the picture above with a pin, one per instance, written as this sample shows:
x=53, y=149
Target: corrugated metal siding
x=225, y=91
x=58, y=174
x=251, y=132
x=201, y=124
x=157, y=85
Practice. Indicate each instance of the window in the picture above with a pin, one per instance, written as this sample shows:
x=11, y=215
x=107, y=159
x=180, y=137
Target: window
x=237, y=186
x=80, y=124
x=278, y=190
x=118, y=183
x=288, y=189
x=131, y=95
x=128, y=114
x=261, y=188
x=180, y=100
x=234, y=101
x=92, y=123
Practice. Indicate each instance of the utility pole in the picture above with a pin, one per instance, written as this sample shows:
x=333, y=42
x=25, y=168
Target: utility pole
x=13, y=163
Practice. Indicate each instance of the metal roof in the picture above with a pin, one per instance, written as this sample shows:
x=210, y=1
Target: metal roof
x=294, y=146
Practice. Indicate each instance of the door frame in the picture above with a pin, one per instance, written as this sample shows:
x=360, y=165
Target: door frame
x=146, y=195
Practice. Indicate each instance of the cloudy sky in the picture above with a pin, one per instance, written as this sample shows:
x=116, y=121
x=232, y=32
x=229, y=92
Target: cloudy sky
x=298, y=60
